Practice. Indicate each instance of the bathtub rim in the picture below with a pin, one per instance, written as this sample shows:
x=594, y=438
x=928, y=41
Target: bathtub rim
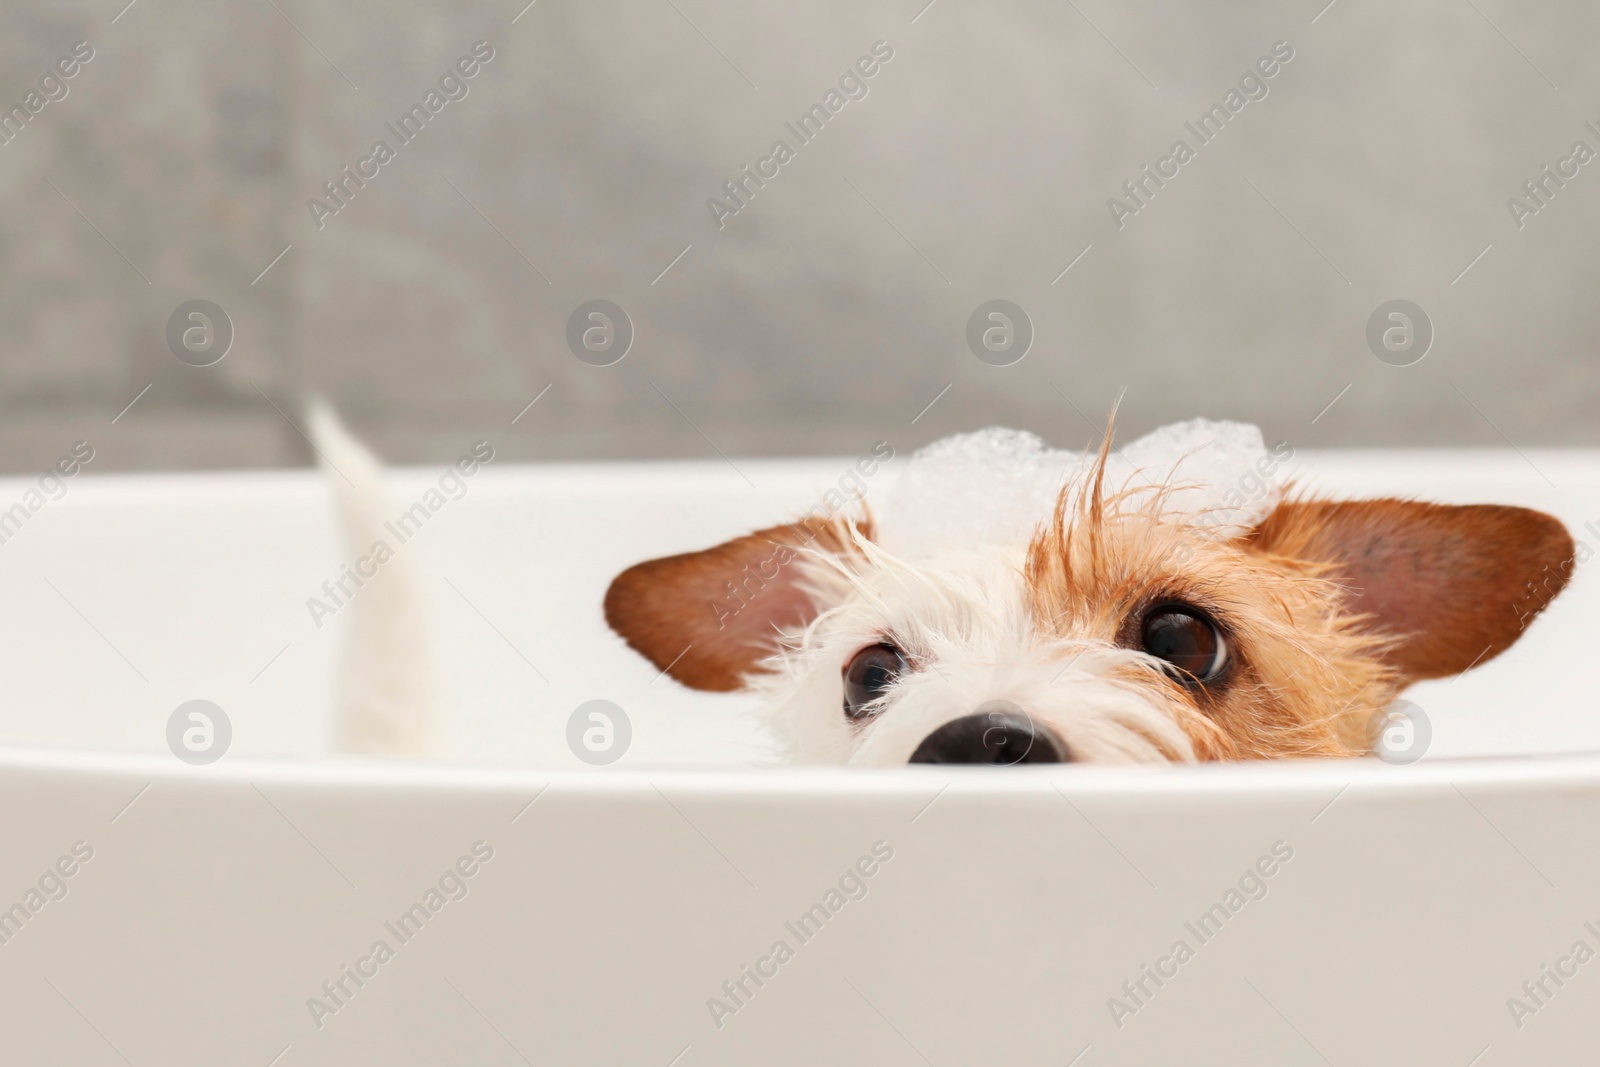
x=1282, y=779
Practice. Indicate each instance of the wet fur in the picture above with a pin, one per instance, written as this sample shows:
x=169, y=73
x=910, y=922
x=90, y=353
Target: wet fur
x=1329, y=609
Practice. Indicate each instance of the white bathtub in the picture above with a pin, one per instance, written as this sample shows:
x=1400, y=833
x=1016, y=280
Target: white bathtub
x=617, y=902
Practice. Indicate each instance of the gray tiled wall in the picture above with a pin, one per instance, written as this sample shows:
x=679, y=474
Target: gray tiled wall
x=833, y=307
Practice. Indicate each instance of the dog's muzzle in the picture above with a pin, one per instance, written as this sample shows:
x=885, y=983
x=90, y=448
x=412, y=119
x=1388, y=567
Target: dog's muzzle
x=994, y=738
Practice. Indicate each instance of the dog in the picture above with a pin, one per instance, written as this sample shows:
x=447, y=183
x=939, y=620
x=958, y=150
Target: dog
x=1117, y=610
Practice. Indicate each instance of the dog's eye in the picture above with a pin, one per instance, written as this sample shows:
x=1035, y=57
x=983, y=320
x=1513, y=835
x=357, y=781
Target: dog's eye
x=868, y=676
x=1187, y=639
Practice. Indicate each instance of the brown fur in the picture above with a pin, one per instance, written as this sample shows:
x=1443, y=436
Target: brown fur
x=1455, y=586
x=1329, y=609
x=713, y=616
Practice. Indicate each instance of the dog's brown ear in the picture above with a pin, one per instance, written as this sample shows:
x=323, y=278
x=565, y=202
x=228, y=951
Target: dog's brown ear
x=708, y=618
x=1455, y=586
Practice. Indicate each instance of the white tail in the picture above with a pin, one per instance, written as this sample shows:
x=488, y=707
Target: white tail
x=388, y=692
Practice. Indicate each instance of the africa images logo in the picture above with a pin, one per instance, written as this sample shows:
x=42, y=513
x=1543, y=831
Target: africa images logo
x=1207, y=128
x=852, y=885
x=453, y=86
x=806, y=128
x=452, y=885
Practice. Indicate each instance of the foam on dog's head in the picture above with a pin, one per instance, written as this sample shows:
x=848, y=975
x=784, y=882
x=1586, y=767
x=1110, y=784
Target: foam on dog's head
x=999, y=570
x=995, y=486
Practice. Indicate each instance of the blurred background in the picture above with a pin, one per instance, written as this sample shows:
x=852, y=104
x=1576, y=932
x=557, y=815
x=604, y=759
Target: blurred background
x=832, y=309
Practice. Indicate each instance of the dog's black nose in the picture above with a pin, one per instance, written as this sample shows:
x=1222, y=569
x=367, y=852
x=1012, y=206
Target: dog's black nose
x=1000, y=739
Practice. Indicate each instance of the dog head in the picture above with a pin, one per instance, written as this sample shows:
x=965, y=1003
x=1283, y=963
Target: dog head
x=1118, y=632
